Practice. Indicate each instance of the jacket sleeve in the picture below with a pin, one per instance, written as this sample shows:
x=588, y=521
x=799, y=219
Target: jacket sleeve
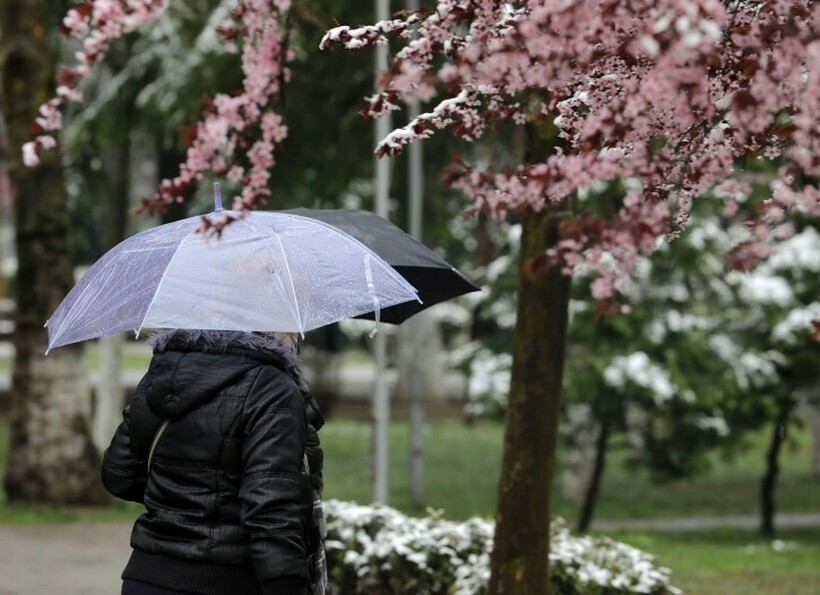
x=275, y=495
x=313, y=447
x=123, y=474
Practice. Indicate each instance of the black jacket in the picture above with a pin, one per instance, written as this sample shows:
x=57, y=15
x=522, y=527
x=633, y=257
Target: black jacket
x=228, y=502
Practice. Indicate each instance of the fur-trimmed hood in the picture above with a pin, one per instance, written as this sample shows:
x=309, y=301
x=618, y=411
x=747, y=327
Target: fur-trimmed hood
x=279, y=347
x=173, y=390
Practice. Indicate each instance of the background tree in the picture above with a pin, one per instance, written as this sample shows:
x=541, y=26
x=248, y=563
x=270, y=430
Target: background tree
x=780, y=299
x=703, y=359
x=666, y=93
x=117, y=142
x=52, y=458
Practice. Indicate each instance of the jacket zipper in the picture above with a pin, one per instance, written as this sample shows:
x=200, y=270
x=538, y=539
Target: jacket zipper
x=155, y=443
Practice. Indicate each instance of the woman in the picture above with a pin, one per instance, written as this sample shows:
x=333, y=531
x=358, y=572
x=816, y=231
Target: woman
x=219, y=443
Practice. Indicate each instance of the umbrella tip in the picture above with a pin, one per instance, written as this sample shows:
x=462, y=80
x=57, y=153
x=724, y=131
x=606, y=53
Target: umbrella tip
x=217, y=197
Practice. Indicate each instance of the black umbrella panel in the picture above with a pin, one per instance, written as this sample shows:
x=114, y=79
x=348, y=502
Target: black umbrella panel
x=434, y=278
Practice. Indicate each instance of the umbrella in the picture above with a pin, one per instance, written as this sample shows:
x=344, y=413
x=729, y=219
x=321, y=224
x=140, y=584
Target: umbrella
x=266, y=272
x=434, y=279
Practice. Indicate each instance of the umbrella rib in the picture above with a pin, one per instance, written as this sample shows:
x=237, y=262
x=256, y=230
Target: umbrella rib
x=387, y=268
x=67, y=314
x=162, y=280
x=299, y=322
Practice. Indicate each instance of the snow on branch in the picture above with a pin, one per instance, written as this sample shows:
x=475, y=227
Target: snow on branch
x=353, y=38
x=460, y=111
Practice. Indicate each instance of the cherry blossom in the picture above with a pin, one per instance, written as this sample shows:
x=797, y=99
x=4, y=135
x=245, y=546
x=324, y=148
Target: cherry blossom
x=237, y=135
x=667, y=94
x=95, y=24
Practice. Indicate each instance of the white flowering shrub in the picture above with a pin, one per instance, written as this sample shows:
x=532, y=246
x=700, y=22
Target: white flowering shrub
x=378, y=550
x=488, y=376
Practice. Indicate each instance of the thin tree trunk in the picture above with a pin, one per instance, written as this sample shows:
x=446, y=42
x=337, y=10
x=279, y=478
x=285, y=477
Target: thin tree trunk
x=168, y=158
x=768, y=484
x=483, y=255
x=520, y=557
x=594, y=484
x=113, y=213
x=52, y=458
x=415, y=422
x=813, y=424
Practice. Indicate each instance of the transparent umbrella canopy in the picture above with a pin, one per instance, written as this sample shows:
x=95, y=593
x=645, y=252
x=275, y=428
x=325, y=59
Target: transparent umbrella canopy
x=266, y=272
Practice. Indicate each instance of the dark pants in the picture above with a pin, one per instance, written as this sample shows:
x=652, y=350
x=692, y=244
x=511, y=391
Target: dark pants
x=130, y=587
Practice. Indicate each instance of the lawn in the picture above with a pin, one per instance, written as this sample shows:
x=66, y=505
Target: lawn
x=463, y=462
x=731, y=562
x=461, y=465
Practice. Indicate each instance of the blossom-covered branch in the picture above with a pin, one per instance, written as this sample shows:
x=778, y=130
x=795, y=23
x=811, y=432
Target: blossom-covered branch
x=243, y=124
x=237, y=134
x=96, y=24
x=666, y=94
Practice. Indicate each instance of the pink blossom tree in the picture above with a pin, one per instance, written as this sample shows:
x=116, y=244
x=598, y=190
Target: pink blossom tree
x=670, y=97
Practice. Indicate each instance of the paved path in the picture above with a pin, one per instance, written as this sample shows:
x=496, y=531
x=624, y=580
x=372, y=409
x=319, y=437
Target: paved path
x=87, y=558
x=63, y=558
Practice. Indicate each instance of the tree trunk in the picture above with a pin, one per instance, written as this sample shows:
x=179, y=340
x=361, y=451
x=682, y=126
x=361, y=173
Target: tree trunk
x=768, y=483
x=52, y=458
x=520, y=557
x=812, y=420
x=168, y=159
x=594, y=485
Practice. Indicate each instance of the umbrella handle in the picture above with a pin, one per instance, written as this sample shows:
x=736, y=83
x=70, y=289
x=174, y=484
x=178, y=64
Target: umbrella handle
x=217, y=197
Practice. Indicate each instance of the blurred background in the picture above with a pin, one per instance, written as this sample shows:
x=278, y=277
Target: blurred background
x=691, y=419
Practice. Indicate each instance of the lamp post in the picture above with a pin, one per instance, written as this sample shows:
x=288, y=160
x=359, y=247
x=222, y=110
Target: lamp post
x=381, y=397
x=415, y=191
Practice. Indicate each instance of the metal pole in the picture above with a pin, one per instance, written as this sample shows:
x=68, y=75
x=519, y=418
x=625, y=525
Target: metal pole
x=415, y=189
x=381, y=396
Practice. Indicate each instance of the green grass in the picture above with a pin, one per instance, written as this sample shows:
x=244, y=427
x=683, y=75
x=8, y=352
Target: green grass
x=462, y=464
x=131, y=359
x=118, y=511
x=730, y=487
x=731, y=562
